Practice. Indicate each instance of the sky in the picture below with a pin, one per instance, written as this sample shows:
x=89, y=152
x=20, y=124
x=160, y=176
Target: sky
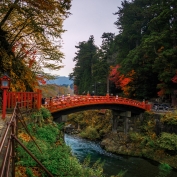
x=89, y=17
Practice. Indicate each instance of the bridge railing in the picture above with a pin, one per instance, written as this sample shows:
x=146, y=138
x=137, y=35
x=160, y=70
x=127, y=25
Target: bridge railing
x=73, y=101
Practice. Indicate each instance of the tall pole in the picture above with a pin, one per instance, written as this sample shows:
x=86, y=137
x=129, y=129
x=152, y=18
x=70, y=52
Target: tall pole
x=4, y=103
x=95, y=89
x=108, y=85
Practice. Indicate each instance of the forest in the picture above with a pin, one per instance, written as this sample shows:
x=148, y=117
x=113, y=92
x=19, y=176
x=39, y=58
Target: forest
x=140, y=62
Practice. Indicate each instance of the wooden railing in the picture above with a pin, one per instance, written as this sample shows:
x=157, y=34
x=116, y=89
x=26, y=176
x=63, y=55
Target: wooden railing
x=60, y=103
x=25, y=99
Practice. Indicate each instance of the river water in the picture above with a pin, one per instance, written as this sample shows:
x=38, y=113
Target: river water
x=113, y=164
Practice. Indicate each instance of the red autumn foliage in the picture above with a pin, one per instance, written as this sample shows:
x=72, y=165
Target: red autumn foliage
x=119, y=80
x=31, y=62
x=161, y=92
x=174, y=79
x=41, y=80
x=114, y=76
x=26, y=53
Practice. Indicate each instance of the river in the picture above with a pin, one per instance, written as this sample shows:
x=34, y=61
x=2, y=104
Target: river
x=113, y=164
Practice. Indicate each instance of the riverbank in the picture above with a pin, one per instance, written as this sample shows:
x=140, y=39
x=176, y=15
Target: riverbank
x=113, y=163
x=154, y=140
x=119, y=143
x=45, y=140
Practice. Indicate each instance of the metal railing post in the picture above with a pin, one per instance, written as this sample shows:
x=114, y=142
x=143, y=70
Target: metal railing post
x=13, y=148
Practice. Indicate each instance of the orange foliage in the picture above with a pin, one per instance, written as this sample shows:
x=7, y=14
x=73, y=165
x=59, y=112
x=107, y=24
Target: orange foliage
x=124, y=81
x=119, y=80
x=20, y=171
x=24, y=137
x=41, y=79
x=161, y=49
x=162, y=88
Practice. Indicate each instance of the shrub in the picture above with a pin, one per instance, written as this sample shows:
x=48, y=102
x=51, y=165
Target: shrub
x=56, y=158
x=164, y=170
x=29, y=172
x=135, y=137
x=90, y=133
x=45, y=113
x=168, y=141
x=170, y=118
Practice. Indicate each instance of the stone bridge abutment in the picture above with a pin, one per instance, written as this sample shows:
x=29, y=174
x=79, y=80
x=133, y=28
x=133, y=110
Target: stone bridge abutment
x=125, y=121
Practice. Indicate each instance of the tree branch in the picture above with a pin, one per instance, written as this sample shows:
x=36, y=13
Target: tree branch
x=8, y=13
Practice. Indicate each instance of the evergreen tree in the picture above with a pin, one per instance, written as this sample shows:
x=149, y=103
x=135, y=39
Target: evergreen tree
x=83, y=70
x=104, y=58
x=147, y=45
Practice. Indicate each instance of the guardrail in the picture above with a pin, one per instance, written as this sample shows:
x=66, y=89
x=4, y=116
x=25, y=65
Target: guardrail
x=9, y=142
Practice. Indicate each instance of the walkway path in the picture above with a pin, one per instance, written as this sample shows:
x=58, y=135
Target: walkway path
x=3, y=124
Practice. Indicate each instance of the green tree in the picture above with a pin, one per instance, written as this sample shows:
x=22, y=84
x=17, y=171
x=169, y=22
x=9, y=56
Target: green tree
x=83, y=70
x=162, y=41
x=105, y=57
x=131, y=56
x=147, y=45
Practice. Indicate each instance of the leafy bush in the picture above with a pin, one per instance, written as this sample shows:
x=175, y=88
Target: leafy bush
x=45, y=113
x=170, y=118
x=168, y=141
x=47, y=133
x=57, y=158
x=147, y=141
x=34, y=114
x=90, y=133
x=164, y=170
x=29, y=172
x=135, y=137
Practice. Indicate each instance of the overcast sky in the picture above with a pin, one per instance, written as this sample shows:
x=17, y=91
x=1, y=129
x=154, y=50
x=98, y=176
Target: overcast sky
x=89, y=17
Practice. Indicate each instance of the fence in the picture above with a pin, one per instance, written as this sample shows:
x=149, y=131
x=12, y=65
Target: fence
x=9, y=143
x=25, y=99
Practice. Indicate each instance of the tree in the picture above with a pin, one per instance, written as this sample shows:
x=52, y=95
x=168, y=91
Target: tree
x=83, y=70
x=147, y=45
x=106, y=56
x=30, y=27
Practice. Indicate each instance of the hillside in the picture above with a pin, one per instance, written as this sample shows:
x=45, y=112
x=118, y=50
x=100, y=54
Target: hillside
x=61, y=80
x=53, y=90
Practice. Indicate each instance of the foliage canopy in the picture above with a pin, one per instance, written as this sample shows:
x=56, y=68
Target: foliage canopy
x=30, y=33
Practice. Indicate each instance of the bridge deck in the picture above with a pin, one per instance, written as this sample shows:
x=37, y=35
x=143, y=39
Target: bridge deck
x=58, y=104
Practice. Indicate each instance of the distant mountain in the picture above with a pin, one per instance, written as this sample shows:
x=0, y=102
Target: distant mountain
x=61, y=80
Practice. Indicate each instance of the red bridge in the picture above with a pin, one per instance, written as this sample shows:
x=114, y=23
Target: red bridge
x=57, y=106
x=71, y=104
x=60, y=104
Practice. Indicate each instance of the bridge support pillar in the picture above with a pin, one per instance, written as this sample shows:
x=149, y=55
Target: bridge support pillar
x=121, y=121
x=61, y=118
x=115, y=120
x=126, y=115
